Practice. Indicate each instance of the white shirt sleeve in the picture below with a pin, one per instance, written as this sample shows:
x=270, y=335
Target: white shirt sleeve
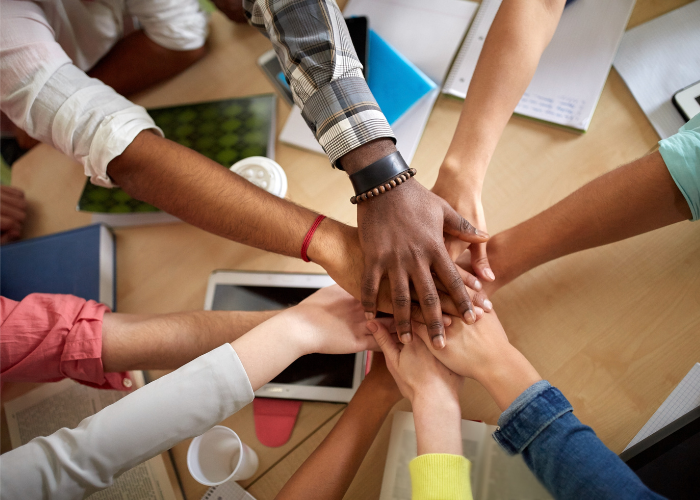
x=52, y=100
x=173, y=24
x=74, y=463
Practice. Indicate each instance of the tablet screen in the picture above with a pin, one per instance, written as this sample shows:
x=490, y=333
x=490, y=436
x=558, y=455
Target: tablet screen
x=323, y=370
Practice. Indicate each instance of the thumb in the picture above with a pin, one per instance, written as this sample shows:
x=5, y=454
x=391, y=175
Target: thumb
x=461, y=228
x=385, y=342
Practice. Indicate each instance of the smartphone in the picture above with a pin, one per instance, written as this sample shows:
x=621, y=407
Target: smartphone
x=358, y=27
x=687, y=101
x=270, y=65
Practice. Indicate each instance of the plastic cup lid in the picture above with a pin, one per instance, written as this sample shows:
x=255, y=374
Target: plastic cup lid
x=264, y=173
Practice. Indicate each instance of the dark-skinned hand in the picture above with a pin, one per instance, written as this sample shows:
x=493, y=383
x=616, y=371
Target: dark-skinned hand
x=402, y=238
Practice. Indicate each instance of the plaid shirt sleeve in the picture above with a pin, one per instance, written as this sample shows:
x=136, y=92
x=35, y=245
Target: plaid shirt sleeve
x=317, y=56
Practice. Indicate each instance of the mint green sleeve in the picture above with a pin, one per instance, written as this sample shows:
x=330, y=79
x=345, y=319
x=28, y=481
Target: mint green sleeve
x=681, y=153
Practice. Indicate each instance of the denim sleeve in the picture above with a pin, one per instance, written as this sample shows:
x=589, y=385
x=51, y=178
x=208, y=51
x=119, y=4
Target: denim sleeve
x=565, y=455
x=681, y=154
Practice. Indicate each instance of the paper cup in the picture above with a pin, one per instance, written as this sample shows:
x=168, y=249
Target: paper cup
x=218, y=456
x=264, y=173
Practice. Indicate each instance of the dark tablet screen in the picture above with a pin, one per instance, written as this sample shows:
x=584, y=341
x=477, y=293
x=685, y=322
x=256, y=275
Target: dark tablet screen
x=324, y=370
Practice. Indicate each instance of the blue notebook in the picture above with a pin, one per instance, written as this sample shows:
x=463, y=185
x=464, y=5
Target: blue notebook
x=396, y=83
x=80, y=262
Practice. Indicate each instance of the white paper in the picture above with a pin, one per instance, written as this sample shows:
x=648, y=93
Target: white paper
x=426, y=33
x=684, y=398
x=494, y=474
x=575, y=65
x=51, y=407
x=659, y=58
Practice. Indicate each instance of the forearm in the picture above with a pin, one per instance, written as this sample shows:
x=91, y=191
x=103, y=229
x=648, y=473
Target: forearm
x=136, y=62
x=633, y=199
x=565, y=455
x=168, y=341
x=340, y=455
x=519, y=34
x=507, y=376
x=199, y=191
x=438, y=420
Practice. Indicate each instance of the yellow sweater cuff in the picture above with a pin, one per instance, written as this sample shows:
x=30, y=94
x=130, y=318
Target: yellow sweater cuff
x=440, y=476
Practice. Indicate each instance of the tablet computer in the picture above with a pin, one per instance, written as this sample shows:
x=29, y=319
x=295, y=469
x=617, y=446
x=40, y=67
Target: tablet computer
x=668, y=461
x=316, y=377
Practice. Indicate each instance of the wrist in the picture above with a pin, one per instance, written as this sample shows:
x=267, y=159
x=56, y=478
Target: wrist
x=438, y=422
x=365, y=155
x=507, y=376
x=299, y=336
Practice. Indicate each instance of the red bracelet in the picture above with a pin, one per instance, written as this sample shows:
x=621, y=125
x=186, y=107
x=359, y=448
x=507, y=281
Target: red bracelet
x=309, y=235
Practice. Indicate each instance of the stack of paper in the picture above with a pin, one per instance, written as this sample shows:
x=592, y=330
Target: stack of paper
x=428, y=34
x=659, y=58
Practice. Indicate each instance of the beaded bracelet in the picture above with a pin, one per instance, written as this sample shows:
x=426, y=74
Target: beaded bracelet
x=388, y=186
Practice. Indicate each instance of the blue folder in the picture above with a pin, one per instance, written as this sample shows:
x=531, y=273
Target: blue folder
x=80, y=262
x=396, y=83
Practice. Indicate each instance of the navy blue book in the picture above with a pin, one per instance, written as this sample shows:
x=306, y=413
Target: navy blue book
x=80, y=262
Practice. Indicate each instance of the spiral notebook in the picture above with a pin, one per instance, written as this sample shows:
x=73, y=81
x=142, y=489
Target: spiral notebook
x=230, y=490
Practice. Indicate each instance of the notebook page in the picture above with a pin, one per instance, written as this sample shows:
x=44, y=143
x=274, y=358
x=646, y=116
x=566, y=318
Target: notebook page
x=575, y=65
x=684, y=398
x=230, y=490
x=659, y=58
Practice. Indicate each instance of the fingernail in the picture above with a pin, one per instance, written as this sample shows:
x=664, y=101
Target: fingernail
x=488, y=305
x=478, y=311
x=489, y=274
x=438, y=342
x=446, y=320
x=470, y=317
x=369, y=316
x=406, y=338
x=477, y=285
x=482, y=233
x=372, y=327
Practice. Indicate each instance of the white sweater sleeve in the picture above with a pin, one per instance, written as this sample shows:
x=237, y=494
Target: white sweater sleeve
x=74, y=463
x=52, y=100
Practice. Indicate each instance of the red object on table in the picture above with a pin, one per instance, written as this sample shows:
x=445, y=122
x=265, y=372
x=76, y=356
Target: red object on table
x=274, y=420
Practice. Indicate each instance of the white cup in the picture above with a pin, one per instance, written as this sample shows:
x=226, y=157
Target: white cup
x=264, y=173
x=218, y=456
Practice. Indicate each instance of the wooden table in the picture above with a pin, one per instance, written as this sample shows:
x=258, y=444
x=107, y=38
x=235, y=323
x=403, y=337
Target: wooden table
x=615, y=328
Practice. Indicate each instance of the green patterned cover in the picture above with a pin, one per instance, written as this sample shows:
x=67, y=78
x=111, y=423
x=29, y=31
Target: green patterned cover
x=225, y=131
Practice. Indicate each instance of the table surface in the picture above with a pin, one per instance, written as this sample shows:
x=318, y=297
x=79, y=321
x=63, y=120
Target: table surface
x=615, y=328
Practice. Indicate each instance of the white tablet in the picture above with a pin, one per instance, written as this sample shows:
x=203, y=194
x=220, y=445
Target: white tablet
x=317, y=377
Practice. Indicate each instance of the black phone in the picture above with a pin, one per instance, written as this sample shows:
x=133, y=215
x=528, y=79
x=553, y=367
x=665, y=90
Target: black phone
x=687, y=101
x=358, y=27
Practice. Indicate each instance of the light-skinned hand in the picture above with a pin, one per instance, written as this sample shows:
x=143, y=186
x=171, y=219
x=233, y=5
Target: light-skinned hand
x=482, y=352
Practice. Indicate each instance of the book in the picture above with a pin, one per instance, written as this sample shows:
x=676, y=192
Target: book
x=657, y=59
x=396, y=83
x=80, y=262
x=494, y=475
x=573, y=68
x=428, y=35
x=45, y=410
x=224, y=131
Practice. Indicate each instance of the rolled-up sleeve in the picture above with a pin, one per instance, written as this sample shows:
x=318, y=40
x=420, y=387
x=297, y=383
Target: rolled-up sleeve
x=173, y=24
x=314, y=48
x=681, y=153
x=52, y=100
